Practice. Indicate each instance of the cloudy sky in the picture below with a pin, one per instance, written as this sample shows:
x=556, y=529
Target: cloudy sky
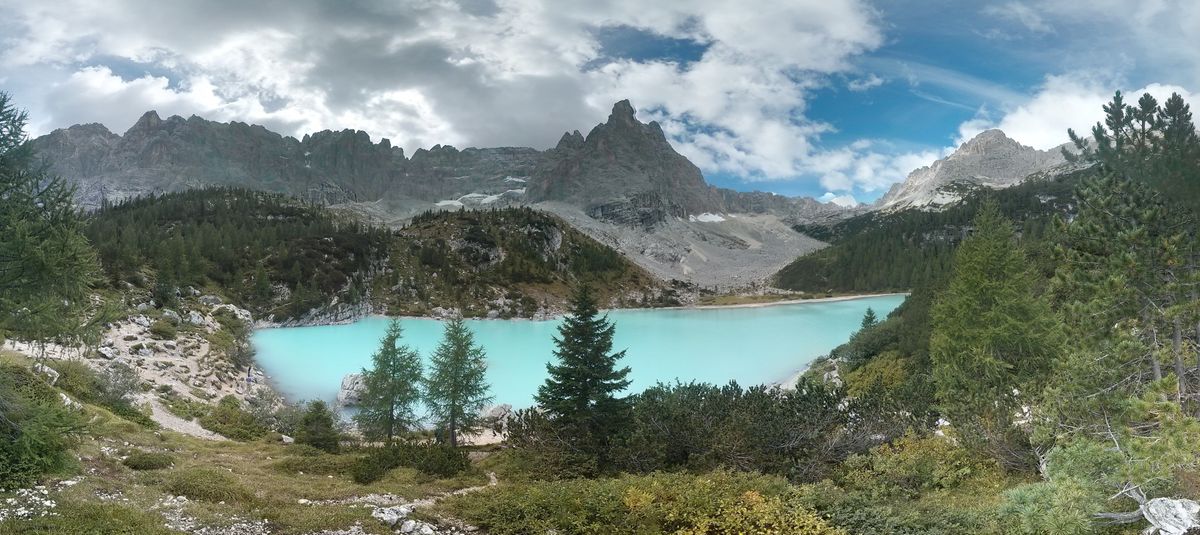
x=814, y=97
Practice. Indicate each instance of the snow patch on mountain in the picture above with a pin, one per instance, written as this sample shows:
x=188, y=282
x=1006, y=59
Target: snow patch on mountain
x=706, y=218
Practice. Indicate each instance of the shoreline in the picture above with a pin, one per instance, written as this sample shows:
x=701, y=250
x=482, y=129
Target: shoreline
x=776, y=303
x=783, y=302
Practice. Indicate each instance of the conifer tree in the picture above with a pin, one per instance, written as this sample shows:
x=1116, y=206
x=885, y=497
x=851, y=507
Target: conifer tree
x=993, y=340
x=316, y=428
x=869, y=319
x=46, y=264
x=391, y=388
x=1124, y=260
x=456, y=389
x=581, y=392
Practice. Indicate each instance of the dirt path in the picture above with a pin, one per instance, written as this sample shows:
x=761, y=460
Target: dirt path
x=432, y=500
x=164, y=418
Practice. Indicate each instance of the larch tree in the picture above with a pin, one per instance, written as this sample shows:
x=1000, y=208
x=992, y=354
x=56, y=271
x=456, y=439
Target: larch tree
x=992, y=340
x=456, y=390
x=391, y=388
x=47, y=266
x=580, y=393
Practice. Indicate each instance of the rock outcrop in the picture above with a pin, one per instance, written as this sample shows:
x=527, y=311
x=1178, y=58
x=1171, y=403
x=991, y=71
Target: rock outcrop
x=990, y=159
x=623, y=171
x=351, y=391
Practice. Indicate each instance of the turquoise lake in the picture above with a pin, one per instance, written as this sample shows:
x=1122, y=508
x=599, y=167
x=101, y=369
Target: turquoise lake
x=752, y=345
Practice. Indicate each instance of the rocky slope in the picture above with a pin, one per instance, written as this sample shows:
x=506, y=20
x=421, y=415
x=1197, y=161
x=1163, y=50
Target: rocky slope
x=990, y=159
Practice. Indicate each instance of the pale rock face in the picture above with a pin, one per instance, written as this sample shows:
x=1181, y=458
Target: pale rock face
x=351, y=391
x=1172, y=516
x=990, y=159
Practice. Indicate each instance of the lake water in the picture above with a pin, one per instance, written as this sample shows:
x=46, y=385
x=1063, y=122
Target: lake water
x=751, y=345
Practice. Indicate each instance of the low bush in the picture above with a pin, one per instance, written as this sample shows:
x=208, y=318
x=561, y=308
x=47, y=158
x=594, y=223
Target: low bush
x=912, y=465
x=228, y=419
x=432, y=459
x=207, y=484
x=148, y=460
x=861, y=514
x=89, y=518
x=713, y=503
x=317, y=429
x=36, y=430
x=322, y=464
x=185, y=407
x=114, y=388
x=304, y=450
x=163, y=330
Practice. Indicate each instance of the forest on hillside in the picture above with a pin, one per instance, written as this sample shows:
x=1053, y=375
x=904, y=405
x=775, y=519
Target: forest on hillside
x=898, y=251
x=278, y=256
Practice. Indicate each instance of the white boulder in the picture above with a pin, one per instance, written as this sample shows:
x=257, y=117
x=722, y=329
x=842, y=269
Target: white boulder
x=1172, y=516
x=391, y=515
x=351, y=391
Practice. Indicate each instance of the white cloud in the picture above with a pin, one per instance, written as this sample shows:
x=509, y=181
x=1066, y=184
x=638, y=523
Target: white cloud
x=1021, y=13
x=862, y=84
x=518, y=72
x=1063, y=101
x=845, y=201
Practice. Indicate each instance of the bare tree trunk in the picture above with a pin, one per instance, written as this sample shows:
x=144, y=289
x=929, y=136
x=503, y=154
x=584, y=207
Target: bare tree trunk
x=1177, y=349
x=1146, y=320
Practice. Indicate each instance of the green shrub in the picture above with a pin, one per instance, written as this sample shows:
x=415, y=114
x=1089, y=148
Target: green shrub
x=207, y=484
x=77, y=379
x=323, y=464
x=148, y=460
x=114, y=388
x=36, y=431
x=432, y=459
x=163, y=330
x=862, y=514
x=304, y=450
x=713, y=503
x=911, y=465
x=1062, y=507
x=185, y=407
x=89, y=518
x=316, y=428
x=229, y=420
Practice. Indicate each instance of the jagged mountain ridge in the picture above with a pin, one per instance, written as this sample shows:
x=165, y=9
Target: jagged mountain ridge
x=157, y=155
x=991, y=159
x=624, y=171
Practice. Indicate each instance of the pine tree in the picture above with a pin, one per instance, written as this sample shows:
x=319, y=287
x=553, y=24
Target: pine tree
x=869, y=319
x=316, y=428
x=993, y=340
x=456, y=389
x=580, y=393
x=1124, y=258
x=46, y=264
x=391, y=388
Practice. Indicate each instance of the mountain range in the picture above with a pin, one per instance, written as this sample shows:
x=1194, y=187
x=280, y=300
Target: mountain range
x=623, y=184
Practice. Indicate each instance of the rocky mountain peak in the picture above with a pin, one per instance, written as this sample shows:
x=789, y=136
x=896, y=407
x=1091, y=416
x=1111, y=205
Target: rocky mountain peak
x=990, y=159
x=624, y=171
x=148, y=121
x=570, y=140
x=989, y=141
x=623, y=113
